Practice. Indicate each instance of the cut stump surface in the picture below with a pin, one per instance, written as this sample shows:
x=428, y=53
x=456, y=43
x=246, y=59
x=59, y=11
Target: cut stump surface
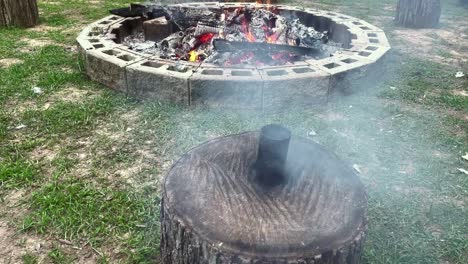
x=213, y=212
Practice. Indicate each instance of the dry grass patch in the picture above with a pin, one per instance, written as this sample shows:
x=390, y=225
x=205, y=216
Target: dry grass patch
x=73, y=94
x=8, y=62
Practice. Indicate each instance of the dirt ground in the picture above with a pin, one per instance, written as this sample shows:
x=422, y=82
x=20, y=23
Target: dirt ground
x=447, y=45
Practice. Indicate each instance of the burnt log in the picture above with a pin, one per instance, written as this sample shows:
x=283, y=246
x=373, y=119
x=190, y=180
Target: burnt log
x=141, y=10
x=418, y=13
x=20, y=13
x=222, y=45
x=214, y=209
x=158, y=29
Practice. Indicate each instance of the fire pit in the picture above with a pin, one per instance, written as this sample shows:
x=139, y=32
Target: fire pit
x=241, y=55
x=262, y=197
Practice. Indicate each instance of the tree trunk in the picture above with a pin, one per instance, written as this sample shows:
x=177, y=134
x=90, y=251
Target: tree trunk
x=20, y=13
x=418, y=13
x=213, y=211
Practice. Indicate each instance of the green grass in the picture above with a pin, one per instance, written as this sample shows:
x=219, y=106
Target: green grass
x=416, y=212
x=17, y=174
x=429, y=83
x=57, y=256
x=29, y=258
x=77, y=209
x=65, y=116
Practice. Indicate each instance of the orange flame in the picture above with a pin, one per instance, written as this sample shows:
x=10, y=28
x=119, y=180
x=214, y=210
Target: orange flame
x=272, y=39
x=246, y=30
x=250, y=37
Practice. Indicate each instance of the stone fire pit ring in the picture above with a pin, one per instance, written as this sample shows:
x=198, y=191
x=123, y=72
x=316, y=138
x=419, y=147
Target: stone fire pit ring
x=143, y=76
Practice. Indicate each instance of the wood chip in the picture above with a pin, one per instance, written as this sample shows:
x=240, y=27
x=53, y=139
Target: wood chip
x=66, y=242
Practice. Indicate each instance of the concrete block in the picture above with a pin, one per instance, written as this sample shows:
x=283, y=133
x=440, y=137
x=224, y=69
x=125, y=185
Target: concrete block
x=227, y=87
x=286, y=86
x=107, y=66
x=126, y=27
x=343, y=82
x=375, y=38
x=339, y=63
x=369, y=52
x=157, y=29
x=360, y=25
x=156, y=79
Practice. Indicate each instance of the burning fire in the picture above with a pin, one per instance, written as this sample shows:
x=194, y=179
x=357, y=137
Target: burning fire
x=272, y=38
x=193, y=56
x=268, y=32
x=250, y=37
x=205, y=38
x=246, y=30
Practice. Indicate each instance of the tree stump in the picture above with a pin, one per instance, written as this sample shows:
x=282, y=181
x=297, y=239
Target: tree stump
x=418, y=13
x=20, y=13
x=212, y=211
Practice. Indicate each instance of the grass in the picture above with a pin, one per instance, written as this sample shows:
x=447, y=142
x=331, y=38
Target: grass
x=98, y=183
x=16, y=174
x=80, y=210
x=56, y=256
x=29, y=259
x=429, y=83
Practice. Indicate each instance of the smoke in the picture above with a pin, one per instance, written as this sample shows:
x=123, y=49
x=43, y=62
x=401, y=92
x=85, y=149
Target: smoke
x=371, y=132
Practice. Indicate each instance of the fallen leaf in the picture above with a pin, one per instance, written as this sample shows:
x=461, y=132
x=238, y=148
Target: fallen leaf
x=462, y=171
x=37, y=90
x=46, y=106
x=20, y=127
x=357, y=168
x=465, y=157
x=312, y=133
x=461, y=93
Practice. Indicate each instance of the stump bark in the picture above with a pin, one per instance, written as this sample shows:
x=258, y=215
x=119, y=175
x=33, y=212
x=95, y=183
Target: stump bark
x=212, y=211
x=418, y=13
x=20, y=13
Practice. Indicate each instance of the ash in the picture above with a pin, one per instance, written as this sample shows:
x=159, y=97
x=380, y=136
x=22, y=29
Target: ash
x=138, y=43
x=278, y=38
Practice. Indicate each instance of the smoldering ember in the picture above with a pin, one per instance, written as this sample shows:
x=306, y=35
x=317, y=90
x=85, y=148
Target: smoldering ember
x=218, y=35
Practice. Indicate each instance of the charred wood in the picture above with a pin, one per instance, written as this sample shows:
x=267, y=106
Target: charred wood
x=222, y=45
